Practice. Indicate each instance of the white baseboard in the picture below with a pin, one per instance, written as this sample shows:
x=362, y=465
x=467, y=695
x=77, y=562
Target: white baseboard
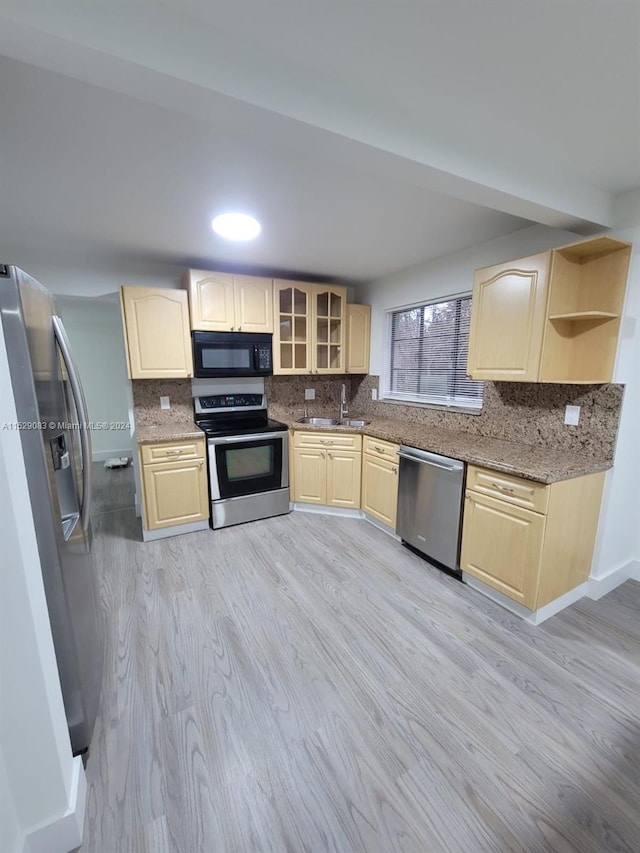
x=64, y=833
x=381, y=526
x=323, y=509
x=599, y=586
x=534, y=617
x=103, y=455
x=174, y=530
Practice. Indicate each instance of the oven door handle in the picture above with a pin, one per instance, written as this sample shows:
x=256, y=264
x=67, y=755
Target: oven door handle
x=235, y=439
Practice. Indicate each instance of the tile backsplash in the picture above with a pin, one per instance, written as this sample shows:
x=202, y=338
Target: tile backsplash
x=528, y=413
x=146, y=401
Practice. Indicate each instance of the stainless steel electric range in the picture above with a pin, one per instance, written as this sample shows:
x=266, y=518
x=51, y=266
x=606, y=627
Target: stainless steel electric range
x=248, y=453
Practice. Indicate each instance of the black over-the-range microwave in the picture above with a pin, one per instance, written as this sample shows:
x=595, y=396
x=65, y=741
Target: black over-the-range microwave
x=231, y=354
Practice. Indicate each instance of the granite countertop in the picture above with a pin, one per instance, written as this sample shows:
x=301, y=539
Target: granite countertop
x=521, y=460
x=169, y=431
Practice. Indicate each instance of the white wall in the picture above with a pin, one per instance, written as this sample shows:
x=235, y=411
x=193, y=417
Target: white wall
x=40, y=775
x=446, y=276
x=618, y=541
x=88, y=275
x=618, y=544
x=94, y=326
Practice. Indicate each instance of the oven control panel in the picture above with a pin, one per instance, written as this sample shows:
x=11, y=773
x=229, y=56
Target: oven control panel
x=231, y=401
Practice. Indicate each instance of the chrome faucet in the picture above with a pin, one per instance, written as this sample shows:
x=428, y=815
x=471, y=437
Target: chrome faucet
x=344, y=411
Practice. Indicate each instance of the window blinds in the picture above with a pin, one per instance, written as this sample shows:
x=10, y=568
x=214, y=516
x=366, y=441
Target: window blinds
x=429, y=346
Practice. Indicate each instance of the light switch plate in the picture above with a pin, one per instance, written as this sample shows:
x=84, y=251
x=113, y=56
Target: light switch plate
x=374, y=393
x=309, y=393
x=572, y=415
x=165, y=403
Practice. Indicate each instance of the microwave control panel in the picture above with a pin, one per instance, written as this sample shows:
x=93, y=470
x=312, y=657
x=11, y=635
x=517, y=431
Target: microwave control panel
x=264, y=358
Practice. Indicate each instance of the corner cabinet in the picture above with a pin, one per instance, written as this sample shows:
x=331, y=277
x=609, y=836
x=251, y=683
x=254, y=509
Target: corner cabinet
x=327, y=468
x=552, y=317
x=156, y=331
x=531, y=542
x=174, y=483
x=310, y=328
x=222, y=302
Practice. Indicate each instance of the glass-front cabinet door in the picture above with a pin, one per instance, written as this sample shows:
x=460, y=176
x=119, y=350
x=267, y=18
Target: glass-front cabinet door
x=292, y=343
x=329, y=316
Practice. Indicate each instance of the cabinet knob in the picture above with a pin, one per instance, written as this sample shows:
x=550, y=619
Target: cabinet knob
x=330, y=456
x=239, y=328
x=322, y=454
x=394, y=469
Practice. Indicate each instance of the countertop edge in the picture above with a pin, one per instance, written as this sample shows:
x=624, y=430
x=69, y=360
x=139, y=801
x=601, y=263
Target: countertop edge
x=575, y=468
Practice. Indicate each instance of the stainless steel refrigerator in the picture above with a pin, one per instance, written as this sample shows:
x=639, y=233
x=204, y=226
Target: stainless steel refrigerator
x=56, y=441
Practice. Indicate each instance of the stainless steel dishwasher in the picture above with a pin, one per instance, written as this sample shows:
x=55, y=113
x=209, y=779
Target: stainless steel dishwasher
x=430, y=491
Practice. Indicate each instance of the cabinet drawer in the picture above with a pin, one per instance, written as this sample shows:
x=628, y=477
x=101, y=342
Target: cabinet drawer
x=326, y=440
x=381, y=448
x=171, y=451
x=514, y=490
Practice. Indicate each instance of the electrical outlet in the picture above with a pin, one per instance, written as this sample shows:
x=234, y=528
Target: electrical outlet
x=572, y=415
x=309, y=393
x=374, y=393
x=165, y=403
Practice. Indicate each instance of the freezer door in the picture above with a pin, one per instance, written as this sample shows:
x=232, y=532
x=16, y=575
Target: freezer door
x=44, y=397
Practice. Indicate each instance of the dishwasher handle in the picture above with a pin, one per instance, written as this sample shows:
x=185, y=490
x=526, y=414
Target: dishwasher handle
x=433, y=459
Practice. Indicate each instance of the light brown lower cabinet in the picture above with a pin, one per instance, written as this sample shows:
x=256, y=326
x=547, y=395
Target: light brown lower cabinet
x=174, y=483
x=530, y=541
x=380, y=479
x=327, y=468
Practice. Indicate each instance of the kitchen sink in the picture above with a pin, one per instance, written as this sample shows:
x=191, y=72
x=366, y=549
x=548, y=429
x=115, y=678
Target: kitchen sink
x=333, y=422
x=319, y=421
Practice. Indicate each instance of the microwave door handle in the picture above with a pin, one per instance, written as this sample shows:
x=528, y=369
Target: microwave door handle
x=83, y=416
x=256, y=359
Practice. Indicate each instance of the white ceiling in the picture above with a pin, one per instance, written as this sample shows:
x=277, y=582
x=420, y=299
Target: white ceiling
x=366, y=137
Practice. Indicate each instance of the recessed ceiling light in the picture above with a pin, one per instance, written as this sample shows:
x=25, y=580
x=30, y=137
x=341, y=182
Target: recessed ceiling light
x=236, y=226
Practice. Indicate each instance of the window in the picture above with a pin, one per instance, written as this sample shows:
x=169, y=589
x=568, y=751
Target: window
x=429, y=346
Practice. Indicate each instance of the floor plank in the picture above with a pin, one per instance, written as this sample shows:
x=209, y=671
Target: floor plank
x=304, y=683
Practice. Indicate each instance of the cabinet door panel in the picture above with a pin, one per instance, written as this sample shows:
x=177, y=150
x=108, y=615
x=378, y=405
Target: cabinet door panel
x=175, y=493
x=212, y=301
x=253, y=303
x=329, y=312
x=507, y=320
x=380, y=488
x=156, y=323
x=358, y=338
x=310, y=476
x=502, y=546
x=343, y=478
x=292, y=333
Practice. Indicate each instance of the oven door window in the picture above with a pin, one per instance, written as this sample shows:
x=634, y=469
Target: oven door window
x=247, y=467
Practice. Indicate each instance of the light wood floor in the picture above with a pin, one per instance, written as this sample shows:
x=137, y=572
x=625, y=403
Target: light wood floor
x=306, y=684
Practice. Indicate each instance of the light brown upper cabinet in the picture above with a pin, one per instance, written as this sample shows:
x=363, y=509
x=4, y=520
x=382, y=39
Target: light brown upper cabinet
x=552, y=317
x=309, y=334
x=358, y=338
x=156, y=330
x=222, y=302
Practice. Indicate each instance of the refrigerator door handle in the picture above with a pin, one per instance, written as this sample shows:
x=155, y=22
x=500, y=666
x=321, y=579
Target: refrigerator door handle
x=81, y=407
